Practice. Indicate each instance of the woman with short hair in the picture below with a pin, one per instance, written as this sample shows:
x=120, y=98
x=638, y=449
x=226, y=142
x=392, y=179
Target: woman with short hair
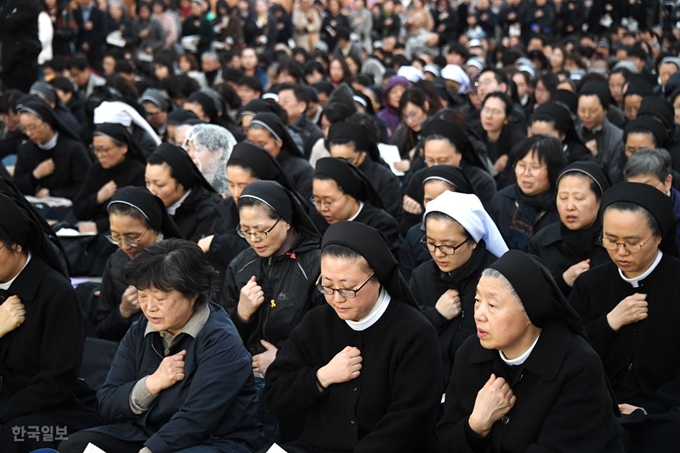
x=528, y=380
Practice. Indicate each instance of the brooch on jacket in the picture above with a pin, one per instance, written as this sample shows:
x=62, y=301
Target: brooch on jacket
x=291, y=255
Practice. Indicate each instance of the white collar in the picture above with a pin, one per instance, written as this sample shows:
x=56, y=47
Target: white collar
x=375, y=314
x=635, y=281
x=356, y=214
x=51, y=144
x=6, y=285
x=521, y=359
x=174, y=207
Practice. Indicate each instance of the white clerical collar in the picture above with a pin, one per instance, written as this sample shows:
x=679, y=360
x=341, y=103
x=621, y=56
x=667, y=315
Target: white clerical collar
x=635, y=281
x=356, y=214
x=521, y=359
x=375, y=314
x=5, y=286
x=51, y=144
x=174, y=207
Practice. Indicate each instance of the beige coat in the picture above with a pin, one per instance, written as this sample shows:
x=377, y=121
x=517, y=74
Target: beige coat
x=307, y=26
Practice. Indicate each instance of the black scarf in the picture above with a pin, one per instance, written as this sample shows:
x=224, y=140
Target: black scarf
x=579, y=244
x=453, y=278
x=529, y=212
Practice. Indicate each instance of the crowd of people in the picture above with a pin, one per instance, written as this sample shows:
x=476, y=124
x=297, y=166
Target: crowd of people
x=339, y=226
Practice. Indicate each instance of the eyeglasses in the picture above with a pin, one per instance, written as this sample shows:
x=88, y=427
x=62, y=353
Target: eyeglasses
x=445, y=249
x=103, y=150
x=493, y=112
x=259, y=235
x=318, y=202
x=411, y=116
x=532, y=169
x=346, y=293
x=129, y=241
x=630, y=247
x=33, y=127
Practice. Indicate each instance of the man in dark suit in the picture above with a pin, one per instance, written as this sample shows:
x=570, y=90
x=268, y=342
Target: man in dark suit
x=19, y=43
x=91, y=38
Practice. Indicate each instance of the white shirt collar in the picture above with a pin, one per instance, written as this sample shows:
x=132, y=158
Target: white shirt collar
x=356, y=214
x=5, y=286
x=521, y=359
x=51, y=144
x=635, y=281
x=174, y=207
x=375, y=314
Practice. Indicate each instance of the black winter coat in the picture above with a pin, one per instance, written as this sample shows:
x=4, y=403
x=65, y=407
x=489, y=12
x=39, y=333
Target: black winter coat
x=71, y=164
x=428, y=283
x=226, y=243
x=563, y=403
x=298, y=170
x=642, y=360
x=387, y=185
x=197, y=214
x=95, y=38
x=391, y=407
x=548, y=244
x=130, y=172
x=289, y=292
x=107, y=318
x=19, y=41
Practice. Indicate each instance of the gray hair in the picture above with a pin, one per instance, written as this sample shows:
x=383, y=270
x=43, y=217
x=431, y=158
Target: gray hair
x=210, y=55
x=649, y=161
x=493, y=273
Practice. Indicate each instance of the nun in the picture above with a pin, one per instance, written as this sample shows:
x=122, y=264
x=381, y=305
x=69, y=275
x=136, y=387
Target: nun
x=529, y=380
x=629, y=310
x=209, y=147
x=41, y=337
x=342, y=192
x=462, y=241
x=53, y=162
x=157, y=105
x=572, y=246
x=121, y=113
x=364, y=368
x=190, y=200
x=209, y=106
x=436, y=180
x=120, y=163
x=138, y=219
x=444, y=143
x=268, y=131
x=353, y=143
x=554, y=119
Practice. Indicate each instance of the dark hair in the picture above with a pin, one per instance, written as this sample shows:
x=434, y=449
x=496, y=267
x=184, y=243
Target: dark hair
x=9, y=100
x=345, y=69
x=432, y=94
x=342, y=33
x=179, y=86
x=174, y=264
x=142, y=4
x=123, y=86
x=250, y=202
x=503, y=98
x=124, y=66
x=251, y=82
x=497, y=73
x=292, y=68
x=346, y=253
x=549, y=80
x=79, y=61
x=368, y=123
x=155, y=159
x=315, y=66
x=626, y=206
x=418, y=97
x=362, y=79
x=338, y=111
x=6, y=239
x=547, y=149
x=437, y=215
x=128, y=211
x=451, y=115
x=229, y=95
x=625, y=72
x=190, y=58
x=63, y=84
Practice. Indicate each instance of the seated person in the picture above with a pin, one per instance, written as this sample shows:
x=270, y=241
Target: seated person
x=138, y=219
x=629, y=310
x=199, y=389
x=462, y=241
x=41, y=338
x=572, y=246
x=529, y=380
x=190, y=200
x=343, y=192
x=355, y=367
x=53, y=162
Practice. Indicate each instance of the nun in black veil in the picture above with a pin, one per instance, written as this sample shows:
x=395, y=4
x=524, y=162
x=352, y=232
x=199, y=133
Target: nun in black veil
x=630, y=312
x=41, y=337
x=190, y=200
x=528, y=380
x=355, y=367
x=343, y=192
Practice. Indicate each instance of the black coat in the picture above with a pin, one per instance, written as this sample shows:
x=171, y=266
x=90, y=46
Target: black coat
x=548, y=245
x=130, y=172
x=226, y=243
x=428, y=283
x=289, y=292
x=412, y=253
x=391, y=407
x=386, y=184
x=298, y=170
x=563, y=402
x=19, y=41
x=109, y=323
x=95, y=38
x=383, y=222
x=503, y=208
x=329, y=28
x=642, y=360
x=40, y=360
x=197, y=214
x=71, y=164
